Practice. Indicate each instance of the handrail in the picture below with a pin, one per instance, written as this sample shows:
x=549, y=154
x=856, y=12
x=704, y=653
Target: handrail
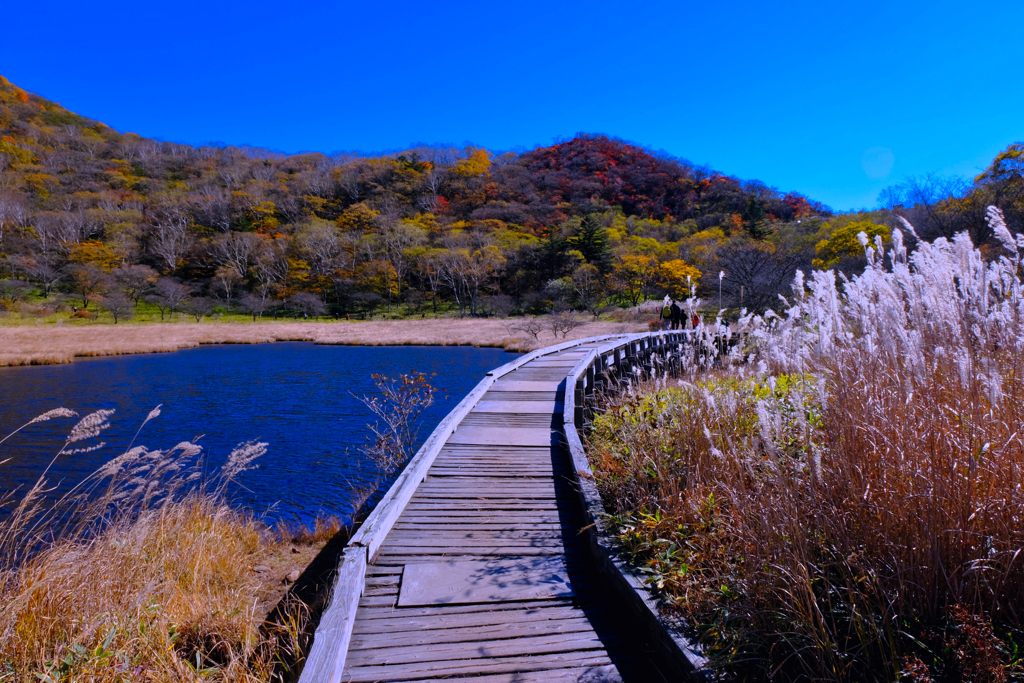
x=331, y=640
x=638, y=597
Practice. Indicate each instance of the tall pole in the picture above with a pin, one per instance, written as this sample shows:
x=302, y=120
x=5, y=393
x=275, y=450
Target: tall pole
x=721, y=274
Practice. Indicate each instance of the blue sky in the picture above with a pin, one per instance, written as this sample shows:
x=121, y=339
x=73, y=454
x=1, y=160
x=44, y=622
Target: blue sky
x=834, y=100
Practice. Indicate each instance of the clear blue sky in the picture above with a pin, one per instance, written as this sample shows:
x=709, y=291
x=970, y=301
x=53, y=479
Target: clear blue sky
x=834, y=100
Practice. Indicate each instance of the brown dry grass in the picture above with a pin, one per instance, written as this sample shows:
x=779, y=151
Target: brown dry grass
x=149, y=600
x=143, y=572
x=47, y=345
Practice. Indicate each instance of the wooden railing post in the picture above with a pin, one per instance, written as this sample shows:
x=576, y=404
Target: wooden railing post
x=578, y=400
x=588, y=396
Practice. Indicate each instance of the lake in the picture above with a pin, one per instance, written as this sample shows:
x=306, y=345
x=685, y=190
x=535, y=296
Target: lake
x=299, y=397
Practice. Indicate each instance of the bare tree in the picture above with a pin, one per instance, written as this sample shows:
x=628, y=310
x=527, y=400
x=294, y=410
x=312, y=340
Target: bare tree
x=225, y=282
x=171, y=239
x=134, y=281
x=168, y=294
x=14, y=290
x=238, y=251
x=118, y=305
x=254, y=305
x=588, y=287
x=399, y=241
x=891, y=197
x=755, y=276
x=563, y=323
x=38, y=267
x=398, y=405
x=531, y=326
x=307, y=304
x=269, y=269
x=198, y=307
x=322, y=245
x=13, y=213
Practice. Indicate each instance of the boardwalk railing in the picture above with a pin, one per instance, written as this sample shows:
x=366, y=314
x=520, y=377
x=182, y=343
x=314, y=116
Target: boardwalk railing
x=600, y=370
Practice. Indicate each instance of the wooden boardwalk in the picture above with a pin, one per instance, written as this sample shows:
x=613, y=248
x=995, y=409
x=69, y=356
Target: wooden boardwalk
x=483, y=575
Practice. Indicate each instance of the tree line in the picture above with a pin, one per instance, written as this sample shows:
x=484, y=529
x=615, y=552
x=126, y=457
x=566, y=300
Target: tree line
x=91, y=216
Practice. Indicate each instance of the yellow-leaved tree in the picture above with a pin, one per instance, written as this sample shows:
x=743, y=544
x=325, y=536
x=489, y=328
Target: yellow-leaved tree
x=478, y=163
x=676, y=277
x=843, y=242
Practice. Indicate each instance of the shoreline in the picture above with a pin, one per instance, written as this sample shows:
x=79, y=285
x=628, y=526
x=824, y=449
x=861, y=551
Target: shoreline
x=57, y=344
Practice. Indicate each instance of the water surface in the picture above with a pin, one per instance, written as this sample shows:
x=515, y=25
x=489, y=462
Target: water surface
x=297, y=396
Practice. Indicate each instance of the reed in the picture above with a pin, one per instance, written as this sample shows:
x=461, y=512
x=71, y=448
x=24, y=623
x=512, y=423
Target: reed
x=845, y=501
x=52, y=344
x=142, y=572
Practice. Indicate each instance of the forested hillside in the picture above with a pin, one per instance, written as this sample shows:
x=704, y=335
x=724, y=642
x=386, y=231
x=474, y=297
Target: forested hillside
x=90, y=217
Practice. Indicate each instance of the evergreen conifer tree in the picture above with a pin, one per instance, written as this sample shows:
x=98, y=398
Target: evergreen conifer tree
x=754, y=223
x=592, y=241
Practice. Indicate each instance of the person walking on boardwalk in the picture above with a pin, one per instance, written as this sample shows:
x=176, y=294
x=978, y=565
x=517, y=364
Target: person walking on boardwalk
x=676, y=314
x=666, y=313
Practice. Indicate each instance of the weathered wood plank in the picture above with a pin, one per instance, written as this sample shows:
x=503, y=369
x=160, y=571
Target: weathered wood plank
x=451, y=583
x=394, y=624
x=518, y=407
x=537, y=608
x=441, y=652
x=453, y=634
x=590, y=674
x=367, y=674
x=482, y=436
x=549, y=387
x=397, y=623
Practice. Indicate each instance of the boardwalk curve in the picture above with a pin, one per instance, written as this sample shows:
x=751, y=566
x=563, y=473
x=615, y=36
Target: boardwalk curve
x=473, y=564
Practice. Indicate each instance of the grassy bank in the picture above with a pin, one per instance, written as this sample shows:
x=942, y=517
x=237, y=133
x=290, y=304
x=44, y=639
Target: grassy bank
x=143, y=572
x=844, y=503
x=45, y=344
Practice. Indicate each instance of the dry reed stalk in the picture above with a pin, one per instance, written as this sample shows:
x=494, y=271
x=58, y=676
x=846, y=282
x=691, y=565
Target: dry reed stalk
x=51, y=344
x=148, y=575
x=846, y=515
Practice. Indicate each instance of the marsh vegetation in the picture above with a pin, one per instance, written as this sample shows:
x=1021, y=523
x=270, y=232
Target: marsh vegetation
x=841, y=498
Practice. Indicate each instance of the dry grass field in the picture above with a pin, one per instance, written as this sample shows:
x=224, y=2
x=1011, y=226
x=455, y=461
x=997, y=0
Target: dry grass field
x=54, y=344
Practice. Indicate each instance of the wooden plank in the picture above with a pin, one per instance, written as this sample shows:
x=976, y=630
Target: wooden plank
x=520, y=407
x=432, y=543
x=462, y=552
x=590, y=674
x=589, y=658
x=482, y=649
x=549, y=387
x=469, y=527
x=452, y=583
x=522, y=396
x=536, y=608
x=397, y=623
x=507, y=437
x=457, y=516
x=453, y=634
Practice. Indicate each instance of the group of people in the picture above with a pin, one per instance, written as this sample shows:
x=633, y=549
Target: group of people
x=673, y=317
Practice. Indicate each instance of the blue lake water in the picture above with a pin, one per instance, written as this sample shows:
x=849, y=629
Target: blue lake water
x=297, y=396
